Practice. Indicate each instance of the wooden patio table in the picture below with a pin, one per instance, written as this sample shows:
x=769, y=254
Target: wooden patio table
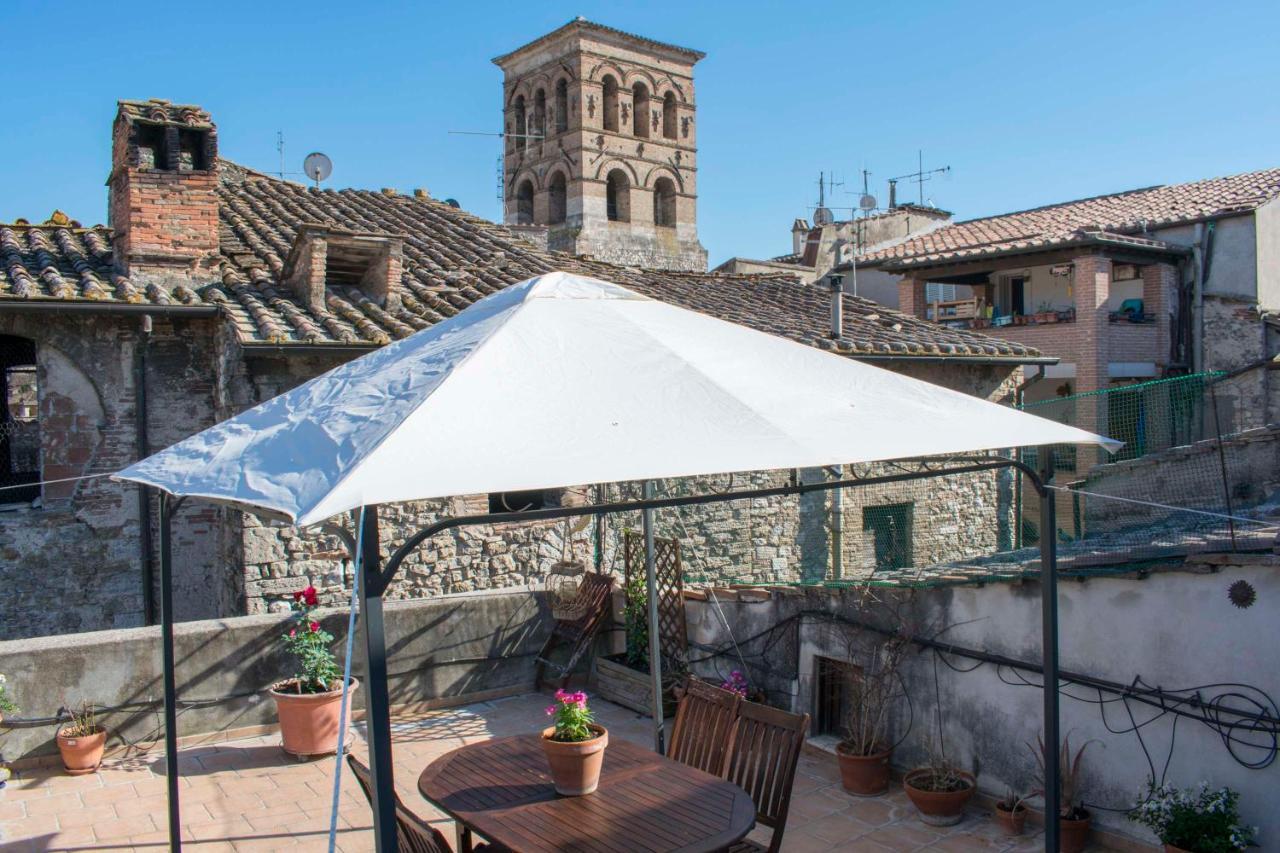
x=501, y=790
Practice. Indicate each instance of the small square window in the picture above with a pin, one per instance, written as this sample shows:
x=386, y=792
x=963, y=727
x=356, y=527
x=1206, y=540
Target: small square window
x=889, y=527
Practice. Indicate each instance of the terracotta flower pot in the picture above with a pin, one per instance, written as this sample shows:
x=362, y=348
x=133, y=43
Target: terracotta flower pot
x=82, y=754
x=309, y=721
x=938, y=808
x=1012, y=822
x=1074, y=832
x=575, y=767
x=864, y=775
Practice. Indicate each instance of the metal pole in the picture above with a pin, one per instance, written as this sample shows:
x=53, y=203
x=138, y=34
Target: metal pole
x=655, y=642
x=376, y=702
x=1049, y=649
x=170, y=680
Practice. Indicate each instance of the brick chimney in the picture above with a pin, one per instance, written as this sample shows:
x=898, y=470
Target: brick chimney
x=164, y=204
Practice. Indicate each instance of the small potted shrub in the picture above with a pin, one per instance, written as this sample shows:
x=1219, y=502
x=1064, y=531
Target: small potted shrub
x=939, y=792
x=1074, y=820
x=1011, y=812
x=1193, y=820
x=309, y=704
x=81, y=741
x=7, y=705
x=574, y=745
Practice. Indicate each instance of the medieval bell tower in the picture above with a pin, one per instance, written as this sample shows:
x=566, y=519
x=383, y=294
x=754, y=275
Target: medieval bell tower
x=601, y=145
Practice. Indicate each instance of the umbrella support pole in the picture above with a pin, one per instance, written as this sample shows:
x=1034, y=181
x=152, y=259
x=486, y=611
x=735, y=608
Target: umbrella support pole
x=167, y=506
x=377, y=702
x=655, y=640
x=1049, y=650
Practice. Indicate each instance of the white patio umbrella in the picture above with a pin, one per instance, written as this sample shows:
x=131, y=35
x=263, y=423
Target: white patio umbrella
x=558, y=380
x=562, y=380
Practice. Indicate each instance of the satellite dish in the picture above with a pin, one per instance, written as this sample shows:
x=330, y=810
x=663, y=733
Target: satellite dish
x=823, y=216
x=867, y=202
x=317, y=167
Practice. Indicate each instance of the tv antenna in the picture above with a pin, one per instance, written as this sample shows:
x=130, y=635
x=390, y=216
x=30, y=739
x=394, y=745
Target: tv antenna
x=280, y=148
x=317, y=167
x=501, y=166
x=822, y=214
x=919, y=176
x=866, y=202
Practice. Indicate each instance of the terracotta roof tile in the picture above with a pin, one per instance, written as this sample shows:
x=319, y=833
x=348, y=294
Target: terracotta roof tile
x=450, y=260
x=1114, y=217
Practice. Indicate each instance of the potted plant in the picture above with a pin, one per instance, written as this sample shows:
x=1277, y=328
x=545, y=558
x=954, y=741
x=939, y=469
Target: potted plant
x=939, y=791
x=871, y=686
x=624, y=678
x=574, y=745
x=81, y=741
x=1193, y=820
x=1011, y=812
x=1074, y=820
x=309, y=704
x=7, y=704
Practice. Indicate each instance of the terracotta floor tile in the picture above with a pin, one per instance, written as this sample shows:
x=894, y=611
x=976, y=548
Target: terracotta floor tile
x=85, y=816
x=122, y=828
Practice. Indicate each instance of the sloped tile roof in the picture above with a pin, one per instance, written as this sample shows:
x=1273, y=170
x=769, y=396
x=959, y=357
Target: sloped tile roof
x=451, y=259
x=1072, y=222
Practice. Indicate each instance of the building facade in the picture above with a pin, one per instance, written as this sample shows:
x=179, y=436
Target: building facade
x=601, y=146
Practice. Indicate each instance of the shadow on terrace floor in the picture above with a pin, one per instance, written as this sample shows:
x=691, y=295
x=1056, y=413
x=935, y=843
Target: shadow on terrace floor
x=248, y=795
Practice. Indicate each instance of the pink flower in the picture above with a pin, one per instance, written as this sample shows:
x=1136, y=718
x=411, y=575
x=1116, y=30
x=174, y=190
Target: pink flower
x=293, y=632
x=315, y=626
x=563, y=696
x=551, y=709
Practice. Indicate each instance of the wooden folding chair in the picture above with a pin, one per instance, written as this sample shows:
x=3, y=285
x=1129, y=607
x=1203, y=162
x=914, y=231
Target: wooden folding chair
x=704, y=725
x=592, y=602
x=762, y=761
x=413, y=833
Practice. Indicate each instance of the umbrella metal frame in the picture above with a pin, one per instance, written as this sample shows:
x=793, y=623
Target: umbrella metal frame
x=376, y=579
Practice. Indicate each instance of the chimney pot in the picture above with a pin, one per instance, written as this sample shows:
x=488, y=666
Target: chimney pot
x=836, y=283
x=421, y=192
x=389, y=191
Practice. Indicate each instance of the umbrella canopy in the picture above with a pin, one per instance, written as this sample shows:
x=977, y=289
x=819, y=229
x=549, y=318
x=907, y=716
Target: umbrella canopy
x=561, y=380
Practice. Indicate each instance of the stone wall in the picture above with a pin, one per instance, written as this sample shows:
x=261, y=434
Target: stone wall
x=73, y=561
x=441, y=652
x=1174, y=628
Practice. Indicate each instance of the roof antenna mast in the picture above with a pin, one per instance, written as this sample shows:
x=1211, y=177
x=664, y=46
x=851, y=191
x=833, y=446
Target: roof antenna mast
x=919, y=176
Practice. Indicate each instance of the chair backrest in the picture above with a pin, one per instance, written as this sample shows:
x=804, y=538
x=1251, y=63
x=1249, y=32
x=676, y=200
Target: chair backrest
x=413, y=833
x=704, y=725
x=592, y=601
x=762, y=761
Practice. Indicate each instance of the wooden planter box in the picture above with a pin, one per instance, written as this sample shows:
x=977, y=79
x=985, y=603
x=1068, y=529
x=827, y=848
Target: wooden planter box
x=628, y=687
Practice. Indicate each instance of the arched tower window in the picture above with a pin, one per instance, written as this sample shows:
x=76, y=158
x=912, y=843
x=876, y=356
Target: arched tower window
x=562, y=106
x=664, y=202
x=19, y=420
x=640, y=110
x=524, y=203
x=557, y=199
x=669, y=115
x=618, y=196
x=519, y=131
x=539, y=128
x=610, y=103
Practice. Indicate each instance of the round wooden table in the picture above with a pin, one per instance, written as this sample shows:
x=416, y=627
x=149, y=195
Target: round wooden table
x=501, y=790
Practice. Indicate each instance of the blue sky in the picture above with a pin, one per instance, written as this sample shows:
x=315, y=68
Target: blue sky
x=1029, y=103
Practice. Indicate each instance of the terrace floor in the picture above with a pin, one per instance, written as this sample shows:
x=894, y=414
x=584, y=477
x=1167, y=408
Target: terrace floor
x=248, y=795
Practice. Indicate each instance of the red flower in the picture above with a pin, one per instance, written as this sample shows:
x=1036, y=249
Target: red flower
x=297, y=596
x=315, y=626
x=309, y=596
x=293, y=632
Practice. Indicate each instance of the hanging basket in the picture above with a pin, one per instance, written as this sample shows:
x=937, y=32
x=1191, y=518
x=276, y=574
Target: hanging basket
x=563, y=580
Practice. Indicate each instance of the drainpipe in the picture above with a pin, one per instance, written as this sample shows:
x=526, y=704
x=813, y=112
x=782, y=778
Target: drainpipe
x=143, y=451
x=1019, y=396
x=1204, y=247
x=837, y=306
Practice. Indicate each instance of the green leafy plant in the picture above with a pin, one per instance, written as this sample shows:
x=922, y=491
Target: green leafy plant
x=309, y=643
x=1012, y=800
x=573, y=719
x=6, y=701
x=83, y=721
x=636, y=617
x=1196, y=819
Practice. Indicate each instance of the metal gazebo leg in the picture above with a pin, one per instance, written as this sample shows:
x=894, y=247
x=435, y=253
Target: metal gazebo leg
x=170, y=679
x=1049, y=647
x=655, y=641
x=377, y=704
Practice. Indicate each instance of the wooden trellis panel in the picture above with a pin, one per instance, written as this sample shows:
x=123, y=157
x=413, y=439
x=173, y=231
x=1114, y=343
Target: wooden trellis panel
x=673, y=637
